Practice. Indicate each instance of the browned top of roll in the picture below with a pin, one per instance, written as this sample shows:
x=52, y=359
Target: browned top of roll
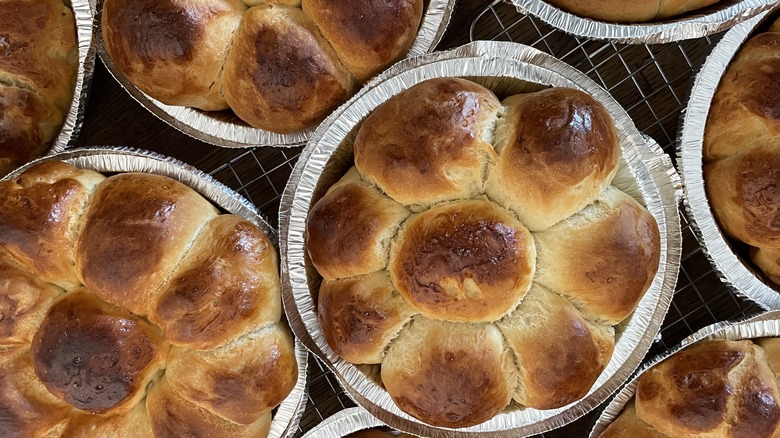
x=627, y=11
x=429, y=142
x=137, y=230
x=359, y=316
x=281, y=75
x=467, y=261
x=604, y=257
x=24, y=301
x=370, y=433
x=172, y=50
x=226, y=286
x=39, y=213
x=628, y=424
x=715, y=386
x=28, y=124
x=559, y=353
x=558, y=147
x=449, y=375
x=348, y=230
x=745, y=110
x=95, y=356
x=367, y=35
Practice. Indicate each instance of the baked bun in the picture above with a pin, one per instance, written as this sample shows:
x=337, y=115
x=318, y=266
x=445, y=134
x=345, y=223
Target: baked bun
x=130, y=303
x=281, y=66
x=38, y=76
x=623, y=11
x=443, y=285
x=742, y=150
x=717, y=388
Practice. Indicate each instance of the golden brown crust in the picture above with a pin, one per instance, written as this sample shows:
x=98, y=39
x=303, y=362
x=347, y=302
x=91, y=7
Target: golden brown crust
x=428, y=143
x=449, y=375
x=627, y=11
x=558, y=149
x=359, y=316
x=137, y=229
x=743, y=192
x=629, y=425
x=240, y=381
x=40, y=215
x=348, y=230
x=604, y=258
x=559, y=353
x=370, y=433
x=280, y=74
x=768, y=260
x=467, y=261
x=172, y=417
x=106, y=359
x=28, y=124
x=226, y=286
x=24, y=301
x=172, y=50
x=368, y=35
x=88, y=425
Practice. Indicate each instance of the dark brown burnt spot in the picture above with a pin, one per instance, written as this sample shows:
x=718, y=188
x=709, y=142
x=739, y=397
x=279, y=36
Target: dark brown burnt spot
x=20, y=136
x=20, y=26
x=156, y=30
x=758, y=413
x=91, y=355
x=375, y=24
x=758, y=192
x=350, y=320
x=8, y=314
x=762, y=97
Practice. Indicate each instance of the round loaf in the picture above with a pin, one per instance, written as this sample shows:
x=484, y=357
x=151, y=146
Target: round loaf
x=456, y=315
x=624, y=11
x=82, y=360
x=38, y=75
x=281, y=66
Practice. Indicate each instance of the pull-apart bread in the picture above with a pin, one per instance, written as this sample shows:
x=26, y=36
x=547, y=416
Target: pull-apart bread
x=281, y=66
x=742, y=150
x=625, y=11
x=129, y=306
x=478, y=252
x=38, y=62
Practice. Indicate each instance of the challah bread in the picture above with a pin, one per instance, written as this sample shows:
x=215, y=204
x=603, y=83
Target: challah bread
x=38, y=76
x=449, y=300
x=741, y=150
x=281, y=66
x=212, y=356
x=623, y=11
x=715, y=388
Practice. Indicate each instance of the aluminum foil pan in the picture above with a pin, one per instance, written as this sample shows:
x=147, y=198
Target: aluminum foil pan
x=696, y=24
x=86, y=66
x=123, y=159
x=763, y=325
x=344, y=423
x=225, y=129
x=735, y=272
x=645, y=173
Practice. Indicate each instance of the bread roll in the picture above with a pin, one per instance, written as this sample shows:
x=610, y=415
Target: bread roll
x=88, y=425
x=360, y=316
x=136, y=231
x=280, y=74
x=468, y=261
x=430, y=143
x=24, y=301
x=559, y=353
x=30, y=234
x=226, y=286
x=28, y=124
x=628, y=424
x=558, y=149
x=173, y=50
x=367, y=36
x=349, y=229
x=624, y=11
x=604, y=258
x=465, y=364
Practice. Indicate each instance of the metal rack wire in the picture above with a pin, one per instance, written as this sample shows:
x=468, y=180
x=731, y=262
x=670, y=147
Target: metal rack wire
x=650, y=81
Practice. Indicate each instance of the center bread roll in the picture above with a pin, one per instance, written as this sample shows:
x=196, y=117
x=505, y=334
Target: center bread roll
x=429, y=268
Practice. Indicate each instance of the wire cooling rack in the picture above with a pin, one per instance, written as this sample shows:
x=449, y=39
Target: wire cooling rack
x=650, y=81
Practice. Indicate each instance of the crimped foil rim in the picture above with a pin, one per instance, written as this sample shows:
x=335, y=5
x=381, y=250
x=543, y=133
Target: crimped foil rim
x=729, y=268
x=343, y=423
x=762, y=325
x=688, y=27
x=209, y=129
x=652, y=172
x=74, y=119
x=126, y=159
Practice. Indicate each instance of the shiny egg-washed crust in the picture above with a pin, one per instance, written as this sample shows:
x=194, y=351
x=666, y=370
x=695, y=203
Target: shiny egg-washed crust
x=629, y=11
x=448, y=315
x=82, y=361
x=38, y=63
x=277, y=66
x=715, y=388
